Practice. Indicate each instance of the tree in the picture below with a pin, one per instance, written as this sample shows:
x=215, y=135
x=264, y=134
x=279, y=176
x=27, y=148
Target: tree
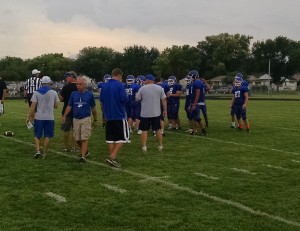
x=177, y=61
x=95, y=62
x=231, y=50
x=138, y=60
x=13, y=69
x=53, y=65
x=282, y=53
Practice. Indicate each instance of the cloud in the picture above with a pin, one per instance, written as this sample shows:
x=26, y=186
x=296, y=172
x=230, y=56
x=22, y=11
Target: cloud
x=34, y=27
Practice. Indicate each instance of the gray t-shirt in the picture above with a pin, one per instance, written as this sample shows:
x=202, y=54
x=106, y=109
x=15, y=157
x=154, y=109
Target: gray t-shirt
x=150, y=96
x=45, y=104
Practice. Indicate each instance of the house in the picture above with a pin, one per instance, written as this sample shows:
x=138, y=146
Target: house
x=290, y=85
x=218, y=81
x=265, y=80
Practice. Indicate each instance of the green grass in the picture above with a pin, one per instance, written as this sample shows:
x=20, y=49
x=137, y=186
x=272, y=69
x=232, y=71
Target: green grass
x=159, y=191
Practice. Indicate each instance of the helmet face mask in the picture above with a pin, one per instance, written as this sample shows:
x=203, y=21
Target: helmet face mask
x=171, y=80
x=193, y=74
x=238, y=81
x=130, y=79
x=141, y=80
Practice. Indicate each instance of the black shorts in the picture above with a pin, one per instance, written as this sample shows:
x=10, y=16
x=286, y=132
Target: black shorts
x=117, y=131
x=67, y=125
x=153, y=122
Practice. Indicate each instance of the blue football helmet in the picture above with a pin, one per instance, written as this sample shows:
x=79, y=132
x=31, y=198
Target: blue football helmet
x=106, y=77
x=239, y=75
x=130, y=79
x=238, y=81
x=141, y=79
x=193, y=74
x=171, y=80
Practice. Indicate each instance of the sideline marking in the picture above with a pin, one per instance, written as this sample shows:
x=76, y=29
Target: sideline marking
x=180, y=188
x=243, y=171
x=159, y=177
x=276, y=167
x=57, y=197
x=296, y=161
x=235, y=143
x=206, y=176
x=114, y=188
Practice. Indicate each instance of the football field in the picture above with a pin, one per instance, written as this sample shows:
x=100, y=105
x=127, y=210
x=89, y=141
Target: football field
x=227, y=180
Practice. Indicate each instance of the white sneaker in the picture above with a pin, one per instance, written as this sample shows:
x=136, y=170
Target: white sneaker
x=160, y=148
x=144, y=149
x=189, y=130
x=139, y=132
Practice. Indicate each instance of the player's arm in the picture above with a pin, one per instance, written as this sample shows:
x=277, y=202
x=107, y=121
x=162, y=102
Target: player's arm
x=196, y=100
x=246, y=99
x=164, y=105
x=208, y=87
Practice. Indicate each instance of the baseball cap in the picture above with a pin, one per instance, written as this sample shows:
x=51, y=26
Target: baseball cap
x=150, y=77
x=35, y=71
x=46, y=79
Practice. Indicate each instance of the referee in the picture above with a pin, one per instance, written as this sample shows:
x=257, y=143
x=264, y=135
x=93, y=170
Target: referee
x=32, y=84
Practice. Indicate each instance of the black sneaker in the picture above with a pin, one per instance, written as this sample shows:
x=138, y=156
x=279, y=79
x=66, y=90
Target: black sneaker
x=87, y=153
x=248, y=130
x=37, y=154
x=204, y=132
x=113, y=163
x=82, y=160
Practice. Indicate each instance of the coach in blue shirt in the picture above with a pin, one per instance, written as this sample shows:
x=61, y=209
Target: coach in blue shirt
x=113, y=98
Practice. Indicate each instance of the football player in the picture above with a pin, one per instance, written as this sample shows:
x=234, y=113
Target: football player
x=196, y=93
x=239, y=103
x=173, y=102
x=106, y=77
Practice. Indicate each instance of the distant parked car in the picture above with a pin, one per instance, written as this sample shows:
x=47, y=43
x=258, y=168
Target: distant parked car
x=223, y=90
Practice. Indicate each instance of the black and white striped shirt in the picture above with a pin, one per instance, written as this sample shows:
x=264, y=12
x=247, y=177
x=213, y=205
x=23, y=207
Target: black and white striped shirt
x=32, y=84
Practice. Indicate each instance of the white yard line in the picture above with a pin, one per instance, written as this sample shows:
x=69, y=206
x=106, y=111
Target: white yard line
x=206, y=176
x=180, y=188
x=160, y=177
x=243, y=171
x=276, y=167
x=235, y=143
x=57, y=197
x=296, y=161
x=114, y=188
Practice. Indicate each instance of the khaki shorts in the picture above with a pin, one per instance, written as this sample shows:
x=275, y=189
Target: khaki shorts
x=82, y=128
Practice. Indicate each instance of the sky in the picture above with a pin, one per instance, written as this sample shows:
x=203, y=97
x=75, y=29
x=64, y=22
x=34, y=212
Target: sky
x=30, y=28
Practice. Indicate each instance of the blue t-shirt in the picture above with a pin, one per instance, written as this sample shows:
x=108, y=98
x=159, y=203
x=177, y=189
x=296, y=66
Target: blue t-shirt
x=81, y=103
x=131, y=90
x=239, y=95
x=194, y=86
x=113, y=97
x=173, y=89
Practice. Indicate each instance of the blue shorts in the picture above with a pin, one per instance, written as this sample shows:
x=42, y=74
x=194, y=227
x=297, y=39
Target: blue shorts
x=43, y=128
x=135, y=110
x=203, y=109
x=128, y=110
x=238, y=111
x=172, y=111
x=195, y=114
